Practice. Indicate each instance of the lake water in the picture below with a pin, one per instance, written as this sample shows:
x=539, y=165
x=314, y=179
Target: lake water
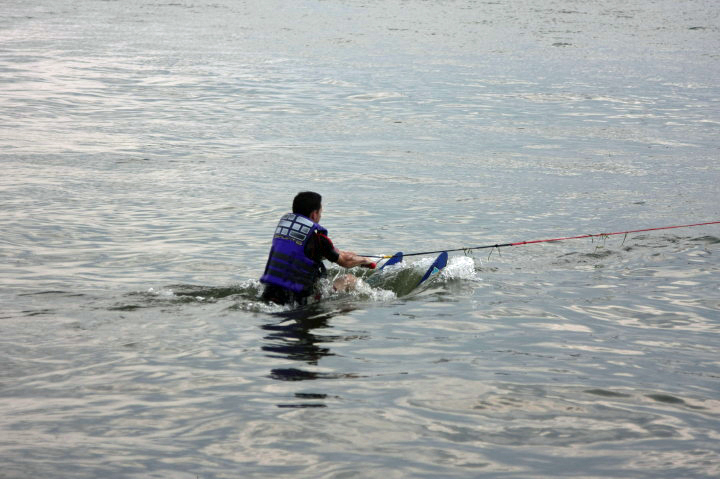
x=150, y=146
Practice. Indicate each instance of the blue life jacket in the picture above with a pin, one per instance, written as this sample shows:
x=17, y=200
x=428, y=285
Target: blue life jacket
x=287, y=265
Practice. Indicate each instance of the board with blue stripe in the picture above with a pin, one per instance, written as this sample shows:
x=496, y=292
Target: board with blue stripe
x=394, y=259
x=435, y=268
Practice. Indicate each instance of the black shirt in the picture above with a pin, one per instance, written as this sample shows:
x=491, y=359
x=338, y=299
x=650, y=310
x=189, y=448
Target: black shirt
x=321, y=247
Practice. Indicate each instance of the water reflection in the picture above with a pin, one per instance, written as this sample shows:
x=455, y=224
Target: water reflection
x=298, y=337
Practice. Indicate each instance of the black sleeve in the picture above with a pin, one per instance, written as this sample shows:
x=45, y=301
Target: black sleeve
x=326, y=249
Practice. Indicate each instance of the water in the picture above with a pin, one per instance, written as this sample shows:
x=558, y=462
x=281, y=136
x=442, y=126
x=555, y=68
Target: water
x=149, y=148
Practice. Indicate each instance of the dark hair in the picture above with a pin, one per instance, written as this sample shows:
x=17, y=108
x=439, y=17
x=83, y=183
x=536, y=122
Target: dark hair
x=306, y=202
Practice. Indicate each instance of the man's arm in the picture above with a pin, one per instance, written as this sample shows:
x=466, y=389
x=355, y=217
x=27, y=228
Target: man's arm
x=348, y=259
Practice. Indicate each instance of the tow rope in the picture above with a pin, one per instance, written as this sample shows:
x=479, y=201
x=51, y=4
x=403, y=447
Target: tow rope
x=549, y=240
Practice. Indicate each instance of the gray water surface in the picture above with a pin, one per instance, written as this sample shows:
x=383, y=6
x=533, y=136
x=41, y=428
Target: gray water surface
x=149, y=148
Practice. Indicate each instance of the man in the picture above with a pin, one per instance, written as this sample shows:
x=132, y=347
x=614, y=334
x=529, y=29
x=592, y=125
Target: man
x=296, y=257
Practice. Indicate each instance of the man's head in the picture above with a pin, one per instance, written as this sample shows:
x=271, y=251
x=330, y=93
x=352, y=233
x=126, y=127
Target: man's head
x=308, y=203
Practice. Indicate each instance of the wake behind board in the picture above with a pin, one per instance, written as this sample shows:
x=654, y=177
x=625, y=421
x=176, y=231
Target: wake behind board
x=435, y=268
x=378, y=276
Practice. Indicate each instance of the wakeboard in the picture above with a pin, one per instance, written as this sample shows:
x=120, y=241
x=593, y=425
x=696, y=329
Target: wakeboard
x=435, y=268
x=394, y=259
